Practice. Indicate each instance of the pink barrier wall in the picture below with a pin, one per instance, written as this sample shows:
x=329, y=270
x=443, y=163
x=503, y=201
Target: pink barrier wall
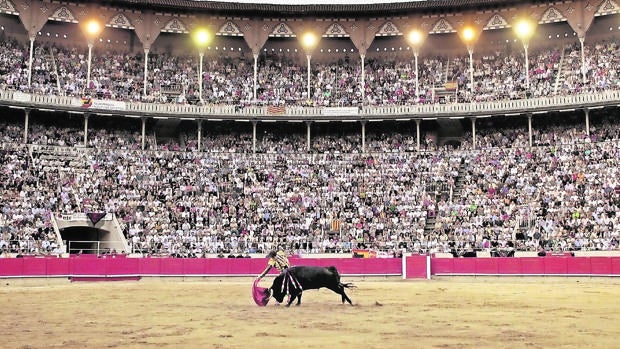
x=92, y=266
x=527, y=266
x=415, y=266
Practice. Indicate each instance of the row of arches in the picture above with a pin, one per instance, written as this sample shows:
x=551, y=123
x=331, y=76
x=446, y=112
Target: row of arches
x=148, y=25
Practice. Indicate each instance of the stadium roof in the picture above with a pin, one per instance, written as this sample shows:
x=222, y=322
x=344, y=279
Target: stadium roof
x=376, y=8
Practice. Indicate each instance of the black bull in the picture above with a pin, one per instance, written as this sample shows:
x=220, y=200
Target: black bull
x=296, y=279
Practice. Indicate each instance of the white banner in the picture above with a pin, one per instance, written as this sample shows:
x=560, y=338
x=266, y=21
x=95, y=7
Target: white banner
x=21, y=97
x=103, y=104
x=340, y=111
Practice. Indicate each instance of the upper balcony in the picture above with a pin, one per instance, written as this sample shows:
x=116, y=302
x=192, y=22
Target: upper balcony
x=295, y=113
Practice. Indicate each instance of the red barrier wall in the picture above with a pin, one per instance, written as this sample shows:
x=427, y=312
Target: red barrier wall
x=415, y=266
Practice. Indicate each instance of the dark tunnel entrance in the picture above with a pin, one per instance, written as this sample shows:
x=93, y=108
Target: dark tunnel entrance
x=85, y=240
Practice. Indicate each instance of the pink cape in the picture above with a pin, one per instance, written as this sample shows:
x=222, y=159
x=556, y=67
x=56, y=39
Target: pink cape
x=261, y=295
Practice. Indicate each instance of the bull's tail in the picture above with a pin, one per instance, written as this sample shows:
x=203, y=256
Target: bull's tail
x=347, y=285
x=338, y=286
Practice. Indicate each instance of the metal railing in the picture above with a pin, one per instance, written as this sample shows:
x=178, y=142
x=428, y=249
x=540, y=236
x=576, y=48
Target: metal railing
x=90, y=247
x=460, y=249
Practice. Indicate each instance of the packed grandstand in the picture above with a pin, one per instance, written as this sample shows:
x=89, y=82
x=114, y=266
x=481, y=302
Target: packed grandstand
x=530, y=179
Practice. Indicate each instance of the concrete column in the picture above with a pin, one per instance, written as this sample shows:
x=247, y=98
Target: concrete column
x=308, y=145
x=363, y=122
x=199, y=135
x=529, y=128
x=417, y=127
x=473, y=132
x=26, y=120
x=86, y=116
x=143, y=133
x=587, y=114
x=254, y=136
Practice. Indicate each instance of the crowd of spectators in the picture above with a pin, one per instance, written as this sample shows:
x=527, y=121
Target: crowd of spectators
x=281, y=77
x=235, y=196
x=600, y=70
x=563, y=194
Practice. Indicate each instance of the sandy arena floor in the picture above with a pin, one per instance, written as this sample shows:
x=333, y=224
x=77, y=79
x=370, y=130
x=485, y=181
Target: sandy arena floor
x=446, y=313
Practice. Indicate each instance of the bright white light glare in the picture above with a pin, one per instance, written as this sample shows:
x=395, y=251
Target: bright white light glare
x=309, y=40
x=202, y=37
x=415, y=37
x=468, y=34
x=93, y=27
x=524, y=29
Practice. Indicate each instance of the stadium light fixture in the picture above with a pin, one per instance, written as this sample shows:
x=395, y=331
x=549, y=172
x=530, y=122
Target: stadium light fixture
x=92, y=29
x=309, y=42
x=469, y=36
x=202, y=37
x=415, y=39
x=524, y=29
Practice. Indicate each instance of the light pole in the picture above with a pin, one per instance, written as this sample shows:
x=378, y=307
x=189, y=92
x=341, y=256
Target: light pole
x=255, y=76
x=524, y=30
x=93, y=28
x=362, y=61
x=309, y=41
x=146, y=70
x=32, y=37
x=583, y=59
x=469, y=37
x=415, y=39
x=202, y=37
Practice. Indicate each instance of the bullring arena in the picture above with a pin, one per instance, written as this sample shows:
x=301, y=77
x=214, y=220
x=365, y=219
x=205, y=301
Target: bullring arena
x=457, y=160
x=219, y=313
